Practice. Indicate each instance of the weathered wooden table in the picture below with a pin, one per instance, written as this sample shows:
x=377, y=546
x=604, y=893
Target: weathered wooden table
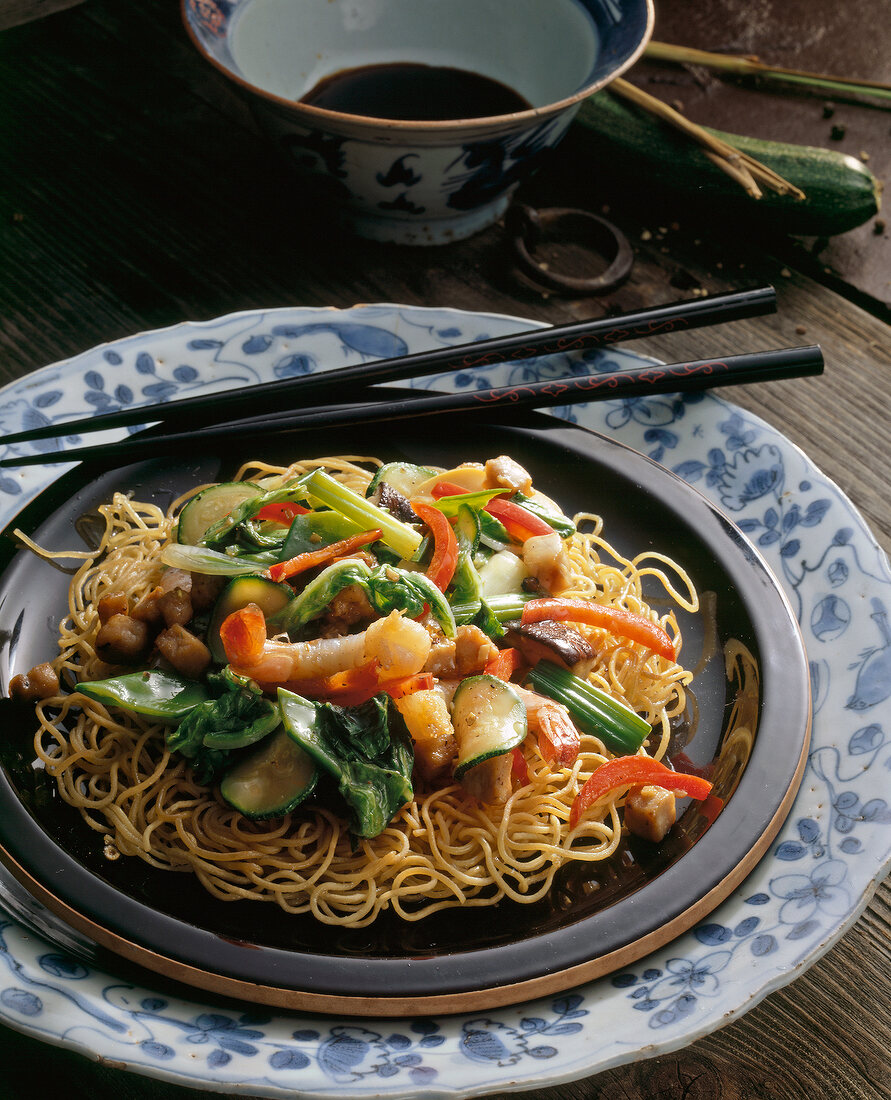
x=135, y=193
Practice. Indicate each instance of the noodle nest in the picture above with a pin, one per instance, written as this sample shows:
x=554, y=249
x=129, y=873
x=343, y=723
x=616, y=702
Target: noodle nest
x=441, y=850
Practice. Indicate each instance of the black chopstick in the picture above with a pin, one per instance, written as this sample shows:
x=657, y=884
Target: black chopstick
x=634, y=382
x=326, y=386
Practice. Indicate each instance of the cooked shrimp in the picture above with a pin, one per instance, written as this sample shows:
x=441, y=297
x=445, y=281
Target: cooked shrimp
x=504, y=473
x=546, y=559
x=558, y=738
x=399, y=646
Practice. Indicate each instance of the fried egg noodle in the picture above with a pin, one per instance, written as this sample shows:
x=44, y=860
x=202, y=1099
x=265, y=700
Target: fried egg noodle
x=441, y=850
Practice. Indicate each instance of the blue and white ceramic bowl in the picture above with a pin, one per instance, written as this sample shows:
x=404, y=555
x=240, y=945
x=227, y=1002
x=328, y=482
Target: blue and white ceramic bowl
x=419, y=182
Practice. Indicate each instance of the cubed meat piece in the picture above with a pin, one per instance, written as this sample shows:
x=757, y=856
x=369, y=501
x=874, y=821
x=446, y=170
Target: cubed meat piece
x=490, y=781
x=465, y=654
x=112, y=605
x=186, y=653
x=348, y=610
x=552, y=641
x=168, y=602
x=505, y=473
x=205, y=589
x=40, y=682
x=649, y=812
x=148, y=608
x=123, y=640
x=176, y=607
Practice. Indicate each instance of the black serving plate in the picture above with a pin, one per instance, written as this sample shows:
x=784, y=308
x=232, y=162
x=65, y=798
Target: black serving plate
x=597, y=918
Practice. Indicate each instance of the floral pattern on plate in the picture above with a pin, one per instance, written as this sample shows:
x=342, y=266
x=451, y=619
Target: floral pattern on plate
x=819, y=874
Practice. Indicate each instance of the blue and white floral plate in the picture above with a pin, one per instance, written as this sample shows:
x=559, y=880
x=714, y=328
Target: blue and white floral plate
x=818, y=876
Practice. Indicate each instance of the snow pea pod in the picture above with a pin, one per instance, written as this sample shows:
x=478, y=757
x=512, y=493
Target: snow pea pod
x=154, y=693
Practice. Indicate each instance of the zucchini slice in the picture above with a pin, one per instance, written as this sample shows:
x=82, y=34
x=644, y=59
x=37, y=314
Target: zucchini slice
x=467, y=529
x=489, y=719
x=271, y=780
x=211, y=505
x=269, y=596
x=404, y=477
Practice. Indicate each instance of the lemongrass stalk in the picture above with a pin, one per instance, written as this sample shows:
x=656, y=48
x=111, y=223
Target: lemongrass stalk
x=750, y=66
x=740, y=167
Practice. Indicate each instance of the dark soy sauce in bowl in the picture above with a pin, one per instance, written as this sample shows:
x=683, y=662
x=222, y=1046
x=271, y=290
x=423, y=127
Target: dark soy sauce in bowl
x=413, y=92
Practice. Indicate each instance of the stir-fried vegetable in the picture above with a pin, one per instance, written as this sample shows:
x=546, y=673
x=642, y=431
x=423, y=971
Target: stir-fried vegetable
x=301, y=563
x=445, y=544
x=155, y=693
x=627, y=771
x=593, y=711
x=337, y=609
x=405, y=540
x=519, y=523
x=366, y=750
x=615, y=620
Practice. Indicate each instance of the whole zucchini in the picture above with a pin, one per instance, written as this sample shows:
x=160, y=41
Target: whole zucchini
x=638, y=150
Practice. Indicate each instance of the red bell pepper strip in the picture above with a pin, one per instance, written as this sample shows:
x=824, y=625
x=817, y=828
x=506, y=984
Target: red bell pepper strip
x=519, y=769
x=358, y=685
x=283, y=513
x=243, y=634
x=505, y=664
x=408, y=685
x=311, y=558
x=445, y=544
x=631, y=771
x=349, y=688
x=615, y=620
x=520, y=523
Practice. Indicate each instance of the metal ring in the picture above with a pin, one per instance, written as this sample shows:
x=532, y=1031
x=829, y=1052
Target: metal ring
x=527, y=226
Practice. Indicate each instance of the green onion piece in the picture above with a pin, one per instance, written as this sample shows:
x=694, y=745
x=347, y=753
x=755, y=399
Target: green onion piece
x=402, y=538
x=199, y=559
x=620, y=729
x=504, y=608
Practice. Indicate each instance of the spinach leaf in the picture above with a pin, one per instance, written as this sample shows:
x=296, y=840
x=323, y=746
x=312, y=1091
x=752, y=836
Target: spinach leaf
x=367, y=750
x=214, y=728
x=391, y=589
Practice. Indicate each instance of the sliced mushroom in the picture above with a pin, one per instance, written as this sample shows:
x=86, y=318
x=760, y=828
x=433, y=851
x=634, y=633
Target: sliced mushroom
x=552, y=641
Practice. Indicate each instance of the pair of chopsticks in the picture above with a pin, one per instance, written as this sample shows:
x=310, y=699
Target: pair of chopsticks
x=258, y=407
